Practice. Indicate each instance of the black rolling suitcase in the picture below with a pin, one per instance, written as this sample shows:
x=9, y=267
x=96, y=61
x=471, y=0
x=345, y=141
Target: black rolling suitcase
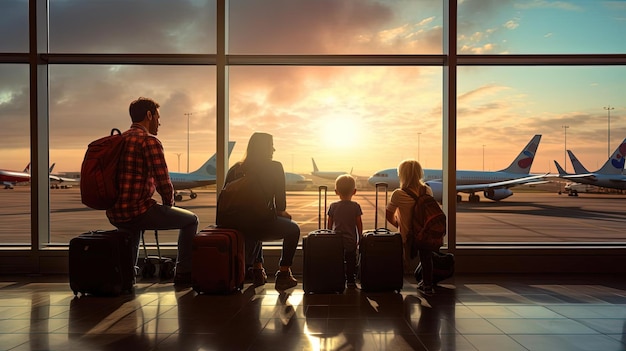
x=323, y=260
x=101, y=263
x=381, y=265
x=443, y=267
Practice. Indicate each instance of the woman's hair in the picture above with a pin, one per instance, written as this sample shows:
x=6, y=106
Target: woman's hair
x=411, y=173
x=260, y=148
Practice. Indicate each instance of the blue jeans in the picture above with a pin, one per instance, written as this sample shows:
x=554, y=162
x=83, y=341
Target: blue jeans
x=160, y=217
x=281, y=228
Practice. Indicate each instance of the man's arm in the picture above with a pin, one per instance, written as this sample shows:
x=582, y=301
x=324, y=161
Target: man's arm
x=158, y=166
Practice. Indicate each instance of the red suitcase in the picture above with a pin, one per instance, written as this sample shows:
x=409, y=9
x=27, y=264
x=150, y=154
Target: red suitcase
x=218, y=261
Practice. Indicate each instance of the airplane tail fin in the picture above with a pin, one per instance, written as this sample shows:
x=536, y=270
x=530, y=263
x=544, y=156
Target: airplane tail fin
x=615, y=164
x=523, y=161
x=210, y=166
x=560, y=169
x=27, y=168
x=315, y=169
x=51, y=168
x=578, y=167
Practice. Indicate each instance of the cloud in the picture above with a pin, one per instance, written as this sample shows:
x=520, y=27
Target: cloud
x=138, y=26
x=542, y=4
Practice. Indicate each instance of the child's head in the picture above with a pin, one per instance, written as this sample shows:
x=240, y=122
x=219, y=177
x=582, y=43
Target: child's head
x=345, y=186
x=410, y=173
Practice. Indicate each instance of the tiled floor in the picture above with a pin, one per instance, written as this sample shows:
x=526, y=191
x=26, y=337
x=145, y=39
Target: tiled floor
x=486, y=312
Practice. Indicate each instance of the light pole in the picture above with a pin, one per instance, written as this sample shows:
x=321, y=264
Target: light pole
x=608, y=111
x=483, y=157
x=418, y=146
x=178, y=154
x=188, y=114
x=565, y=149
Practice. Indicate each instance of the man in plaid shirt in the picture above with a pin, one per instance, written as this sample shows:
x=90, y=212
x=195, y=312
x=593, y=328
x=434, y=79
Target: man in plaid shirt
x=141, y=171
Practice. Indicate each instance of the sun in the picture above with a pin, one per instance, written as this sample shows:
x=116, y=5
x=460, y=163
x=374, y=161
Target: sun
x=341, y=132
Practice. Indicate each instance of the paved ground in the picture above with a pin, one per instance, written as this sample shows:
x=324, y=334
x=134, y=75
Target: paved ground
x=524, y=217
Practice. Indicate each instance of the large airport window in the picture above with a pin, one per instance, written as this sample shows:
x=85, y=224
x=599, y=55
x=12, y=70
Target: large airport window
x=570, y=110
x=14, y=171
x=541, y=27
x=137, y=27
x=329, y=120
x=87, y=101
x=14, y=20
x=335, y=27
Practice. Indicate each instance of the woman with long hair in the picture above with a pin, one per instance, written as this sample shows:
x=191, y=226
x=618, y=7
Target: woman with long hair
x=270, y=174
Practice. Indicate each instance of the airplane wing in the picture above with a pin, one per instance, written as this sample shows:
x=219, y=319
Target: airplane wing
x=56, y=178
x=503, y=184
x=574, y=177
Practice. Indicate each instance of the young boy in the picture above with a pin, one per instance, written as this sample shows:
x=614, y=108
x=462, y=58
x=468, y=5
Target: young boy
x=344, y=217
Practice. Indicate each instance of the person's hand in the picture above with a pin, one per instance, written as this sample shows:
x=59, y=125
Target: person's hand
x=284, y=214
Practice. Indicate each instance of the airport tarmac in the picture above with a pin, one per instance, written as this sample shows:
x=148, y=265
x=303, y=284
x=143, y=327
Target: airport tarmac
x=526, y=217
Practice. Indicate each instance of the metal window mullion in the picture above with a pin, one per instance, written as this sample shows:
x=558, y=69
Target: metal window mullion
x=39, y=127
x=449, y=119
x=221, y=90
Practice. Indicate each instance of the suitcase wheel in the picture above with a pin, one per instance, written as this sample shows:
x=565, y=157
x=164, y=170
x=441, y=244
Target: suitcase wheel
x=166, y=270
x=148, y=269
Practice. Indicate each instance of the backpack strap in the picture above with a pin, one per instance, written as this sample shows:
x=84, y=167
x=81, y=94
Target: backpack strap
x=415, y=198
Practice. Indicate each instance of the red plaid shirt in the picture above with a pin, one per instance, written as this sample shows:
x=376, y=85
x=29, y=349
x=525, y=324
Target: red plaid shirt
x=142, y=170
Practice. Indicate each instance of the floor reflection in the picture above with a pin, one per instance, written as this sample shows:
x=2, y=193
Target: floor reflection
x=466, y=313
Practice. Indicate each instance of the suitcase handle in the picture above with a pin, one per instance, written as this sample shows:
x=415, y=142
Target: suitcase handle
x=319, y=206
x=156, y=239
x=386, y=186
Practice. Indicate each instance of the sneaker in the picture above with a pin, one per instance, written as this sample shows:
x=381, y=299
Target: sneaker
x=259, y=277
x=426, y=289
x=284, y=280
x=182, y=278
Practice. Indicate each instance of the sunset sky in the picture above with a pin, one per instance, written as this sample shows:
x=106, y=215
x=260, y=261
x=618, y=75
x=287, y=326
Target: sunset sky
x=365, y=118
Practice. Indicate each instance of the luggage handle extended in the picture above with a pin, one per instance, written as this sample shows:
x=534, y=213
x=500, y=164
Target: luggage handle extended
x=323, y=227
x=384, y=229
x=319, y=207
x=156, y=239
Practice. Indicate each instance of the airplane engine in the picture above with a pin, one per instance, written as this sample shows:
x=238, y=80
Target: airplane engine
x=497, y=194
x=437, y=188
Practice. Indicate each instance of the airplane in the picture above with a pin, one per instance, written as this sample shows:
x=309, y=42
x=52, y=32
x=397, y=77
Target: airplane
x=205, y=175
x=326, y=174
x=57, y=181
x=296, y=182
x=610, y=175
x=494, y=185
x=10, y=178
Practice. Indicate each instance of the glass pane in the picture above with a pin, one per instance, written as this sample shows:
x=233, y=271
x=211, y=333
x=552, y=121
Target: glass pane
x=347, y=119
x=499, y=110
x=15, y=136
x=137, y=27
x=14, y=20
x=541, y=27
x=87, y=101
x=335, y=27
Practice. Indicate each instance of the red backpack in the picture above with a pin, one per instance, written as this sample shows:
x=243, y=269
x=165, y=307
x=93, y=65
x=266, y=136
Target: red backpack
x=428, y=223
x=98, y=173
